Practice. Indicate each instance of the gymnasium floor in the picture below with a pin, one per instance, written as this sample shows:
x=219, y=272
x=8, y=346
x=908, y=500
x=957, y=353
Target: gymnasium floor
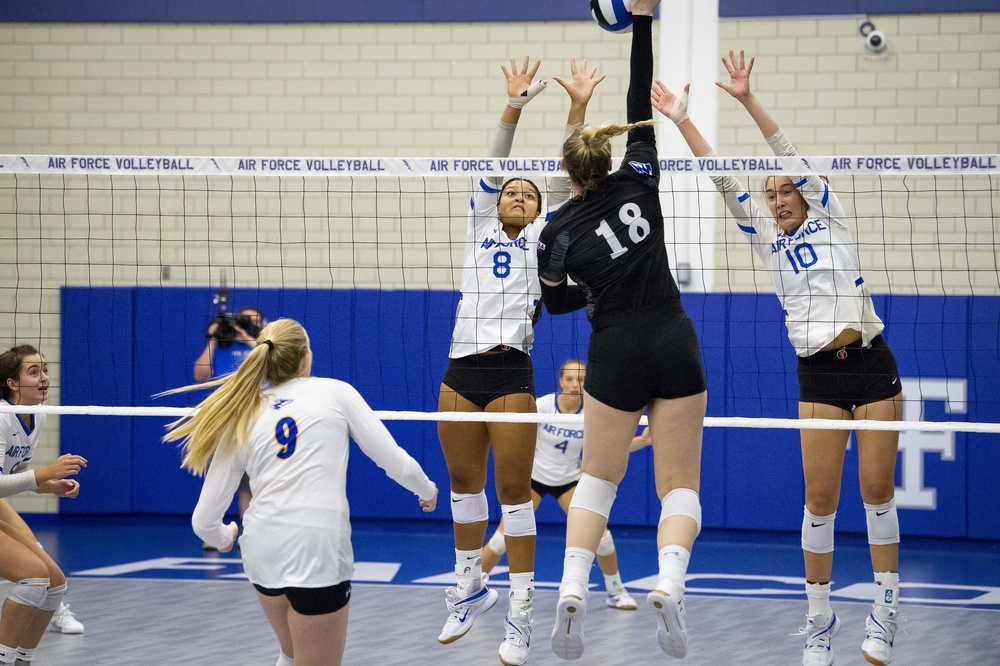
x=149, y=595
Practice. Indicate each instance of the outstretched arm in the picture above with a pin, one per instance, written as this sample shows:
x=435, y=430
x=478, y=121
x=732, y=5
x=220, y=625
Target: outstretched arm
x=641, y=68
x=580, y=88
x=739, y=87
x=520, y=90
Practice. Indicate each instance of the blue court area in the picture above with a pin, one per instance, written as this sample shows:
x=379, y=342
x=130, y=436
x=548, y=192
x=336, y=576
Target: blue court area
x=726, y=563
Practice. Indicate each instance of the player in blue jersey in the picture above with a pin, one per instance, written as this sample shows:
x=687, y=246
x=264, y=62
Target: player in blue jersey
x=41, y=584
x=556, y=472
x=489, y=370
x=846, y=370
x=643, y=351
x=293, y=439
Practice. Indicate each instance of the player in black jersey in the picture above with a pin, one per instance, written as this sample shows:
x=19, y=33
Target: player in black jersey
x=643, y=350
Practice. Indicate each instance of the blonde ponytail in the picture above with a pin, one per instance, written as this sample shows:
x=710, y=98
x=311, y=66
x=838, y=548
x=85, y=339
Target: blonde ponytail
x=224, y=419
x=587, y=153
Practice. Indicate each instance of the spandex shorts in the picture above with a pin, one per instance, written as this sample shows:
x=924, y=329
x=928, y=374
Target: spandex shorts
x=850, y=376
x=555, y=491
x=644, y=355
x=313, y=600
x=483, y=378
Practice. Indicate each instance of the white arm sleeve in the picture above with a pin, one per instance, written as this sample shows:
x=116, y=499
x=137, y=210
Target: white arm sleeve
x=12, y=484
x=375, y=441
x=221, y=483
x=757, y=227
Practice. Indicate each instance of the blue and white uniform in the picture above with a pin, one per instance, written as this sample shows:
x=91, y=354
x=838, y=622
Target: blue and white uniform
x=18, y=441
x=500, y=289
x=297, y=530
x=816, y=271
x=558, y=448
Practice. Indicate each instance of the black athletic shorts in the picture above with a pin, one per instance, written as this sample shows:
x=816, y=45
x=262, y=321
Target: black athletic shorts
x=482, y=378
x=644, y=354
x=555, y=491
x=312, y=600
x=850, y=376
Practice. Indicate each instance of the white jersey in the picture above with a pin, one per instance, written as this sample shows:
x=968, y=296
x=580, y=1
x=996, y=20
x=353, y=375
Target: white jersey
x=500, y=289
x=558, y=448
x=816, y=271
x=18, y=441
x=297, y=532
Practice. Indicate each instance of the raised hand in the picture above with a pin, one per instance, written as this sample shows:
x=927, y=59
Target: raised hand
x=670, y=105
x=519, y=80
x=739, y=76
x=582, y=84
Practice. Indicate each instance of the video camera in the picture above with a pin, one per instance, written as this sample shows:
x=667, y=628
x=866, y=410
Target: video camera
x=225, y=331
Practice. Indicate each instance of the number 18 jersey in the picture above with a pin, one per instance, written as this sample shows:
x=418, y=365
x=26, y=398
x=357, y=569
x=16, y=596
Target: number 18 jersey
x=610, y=241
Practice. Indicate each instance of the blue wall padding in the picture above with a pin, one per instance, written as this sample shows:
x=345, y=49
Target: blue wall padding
x=121, y=346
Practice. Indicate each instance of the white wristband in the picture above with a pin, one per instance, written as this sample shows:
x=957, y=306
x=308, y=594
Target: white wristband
x=518, y=101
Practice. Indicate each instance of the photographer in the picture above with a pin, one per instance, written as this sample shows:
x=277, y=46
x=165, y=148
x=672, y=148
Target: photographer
x=230, y=339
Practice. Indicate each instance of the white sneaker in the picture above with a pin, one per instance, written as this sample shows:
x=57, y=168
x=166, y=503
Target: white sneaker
x=881, y=627
x=567, y=634
x=670, y=630
x=517, y=638
x=64, y=621
x=820, y=632
x=464, y=611
x=621, y=600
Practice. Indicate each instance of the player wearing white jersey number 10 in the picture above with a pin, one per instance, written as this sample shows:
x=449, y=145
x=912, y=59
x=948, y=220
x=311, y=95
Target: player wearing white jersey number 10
x=846, y=370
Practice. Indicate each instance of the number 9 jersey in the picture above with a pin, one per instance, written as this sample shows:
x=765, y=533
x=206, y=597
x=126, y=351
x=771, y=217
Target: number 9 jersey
x=610, y=240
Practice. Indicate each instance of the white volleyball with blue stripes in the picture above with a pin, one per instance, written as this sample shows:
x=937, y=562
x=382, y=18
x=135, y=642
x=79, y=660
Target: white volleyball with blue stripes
x=612, y=15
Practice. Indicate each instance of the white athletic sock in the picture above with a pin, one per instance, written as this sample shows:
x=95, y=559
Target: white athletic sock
x=25, y=654
x=673, y=562
x=577, y=564
x=284, y=660
x=469, y=570
x=613, y=583
x=522, y=587
x=818, y=595
x=887, y=589
x=7, y=654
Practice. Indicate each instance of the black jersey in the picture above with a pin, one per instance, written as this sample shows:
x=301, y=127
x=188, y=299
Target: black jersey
x=610, y=241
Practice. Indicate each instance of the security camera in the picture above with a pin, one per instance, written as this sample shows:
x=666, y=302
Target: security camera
x=875, y=40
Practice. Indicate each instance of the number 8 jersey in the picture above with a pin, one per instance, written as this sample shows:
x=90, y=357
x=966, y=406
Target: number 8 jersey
x=816, y=271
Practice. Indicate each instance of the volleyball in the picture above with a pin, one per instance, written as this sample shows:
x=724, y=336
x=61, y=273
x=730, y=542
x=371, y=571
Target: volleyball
x=612, y=15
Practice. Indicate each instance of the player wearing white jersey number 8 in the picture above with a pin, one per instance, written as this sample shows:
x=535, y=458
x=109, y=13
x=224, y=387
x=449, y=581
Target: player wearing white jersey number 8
x=490, y=371
x=556, y=472
x=292, y=439
x=846, y=370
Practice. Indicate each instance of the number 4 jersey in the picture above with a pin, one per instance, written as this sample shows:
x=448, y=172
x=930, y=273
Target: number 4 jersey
x=815, y=270
x=558, y=448
x=610, y=240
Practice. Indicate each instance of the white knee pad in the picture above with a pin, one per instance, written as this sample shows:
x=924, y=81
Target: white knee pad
x=817, y=532
x=30, y=592
x=469, y=508
x=607, y=545
x=595, y=495
x=682, y=502
x=519, y=519
x=497, y=544
x=883, y=523
x=53, y=597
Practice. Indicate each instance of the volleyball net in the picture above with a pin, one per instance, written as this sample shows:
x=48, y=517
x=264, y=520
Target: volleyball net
x=113, y=268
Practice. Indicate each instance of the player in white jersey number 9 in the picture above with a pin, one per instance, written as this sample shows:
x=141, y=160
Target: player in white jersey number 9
x=846, y=370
